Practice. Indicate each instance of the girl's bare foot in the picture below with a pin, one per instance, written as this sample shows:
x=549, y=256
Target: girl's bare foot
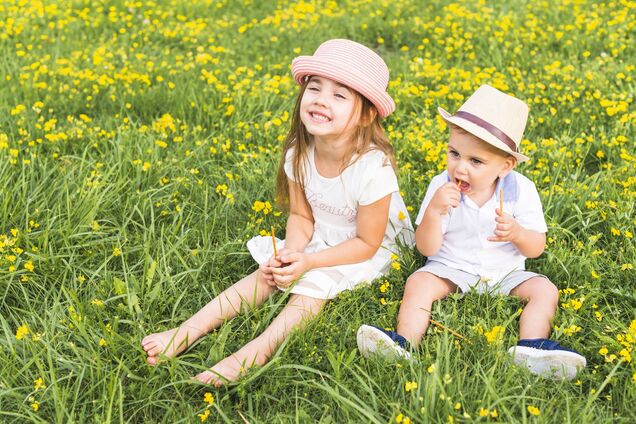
x=232, y=367
x=170, y=342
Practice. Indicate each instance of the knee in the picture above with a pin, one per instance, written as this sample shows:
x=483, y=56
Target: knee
x=543, y=290
x=551, y=292
x=425, y=287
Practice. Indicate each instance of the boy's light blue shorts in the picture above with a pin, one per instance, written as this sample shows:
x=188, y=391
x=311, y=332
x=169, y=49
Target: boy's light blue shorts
x=466, y=281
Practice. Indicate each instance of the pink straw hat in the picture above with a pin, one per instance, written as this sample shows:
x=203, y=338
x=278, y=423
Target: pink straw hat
x=351, y=64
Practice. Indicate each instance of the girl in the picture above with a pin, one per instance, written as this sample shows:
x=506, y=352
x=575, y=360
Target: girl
x=336, y=177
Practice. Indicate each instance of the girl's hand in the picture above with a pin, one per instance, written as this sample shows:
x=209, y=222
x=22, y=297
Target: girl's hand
x=294, y=264
x=445, y=198
x=507, y=228
x=267, y=268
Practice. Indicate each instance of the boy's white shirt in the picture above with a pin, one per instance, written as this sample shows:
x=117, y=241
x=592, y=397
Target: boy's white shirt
x=466, y=228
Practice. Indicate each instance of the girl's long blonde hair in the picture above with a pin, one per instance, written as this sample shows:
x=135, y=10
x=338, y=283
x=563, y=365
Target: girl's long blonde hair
x=367, y=135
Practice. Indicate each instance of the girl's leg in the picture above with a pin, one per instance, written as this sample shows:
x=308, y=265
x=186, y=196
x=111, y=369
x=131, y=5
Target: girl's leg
x=542, y=298
x=298, y=311
x=421, y=290
x=250, y=291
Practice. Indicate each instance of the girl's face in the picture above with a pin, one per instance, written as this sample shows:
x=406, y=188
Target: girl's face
x=475, y=165
x=327, y=109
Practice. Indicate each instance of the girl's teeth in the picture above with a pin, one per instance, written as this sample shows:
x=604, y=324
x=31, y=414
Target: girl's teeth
x=319, y=117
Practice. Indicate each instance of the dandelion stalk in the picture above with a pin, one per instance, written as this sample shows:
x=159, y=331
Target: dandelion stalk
x=274, y=242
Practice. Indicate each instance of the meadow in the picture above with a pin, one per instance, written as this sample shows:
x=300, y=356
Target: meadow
x=138, y=148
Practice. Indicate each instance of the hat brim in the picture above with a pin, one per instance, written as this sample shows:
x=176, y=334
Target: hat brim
x=304, y=66
x=480, y=133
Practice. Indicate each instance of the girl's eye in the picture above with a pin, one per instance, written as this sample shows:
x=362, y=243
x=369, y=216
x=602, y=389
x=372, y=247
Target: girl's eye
x=476, y=161
x=453, y=154
x=340, y=96
x=314, y=88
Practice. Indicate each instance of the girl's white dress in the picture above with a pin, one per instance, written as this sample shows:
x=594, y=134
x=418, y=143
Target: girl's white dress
x=334, y=203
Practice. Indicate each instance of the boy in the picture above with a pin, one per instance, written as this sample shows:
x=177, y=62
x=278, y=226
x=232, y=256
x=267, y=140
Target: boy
x=478, y=223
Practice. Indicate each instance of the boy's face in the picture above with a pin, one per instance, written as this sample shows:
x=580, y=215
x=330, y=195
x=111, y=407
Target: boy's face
x=474, y=164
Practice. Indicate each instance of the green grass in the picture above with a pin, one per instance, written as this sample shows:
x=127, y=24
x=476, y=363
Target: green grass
x=128, y=187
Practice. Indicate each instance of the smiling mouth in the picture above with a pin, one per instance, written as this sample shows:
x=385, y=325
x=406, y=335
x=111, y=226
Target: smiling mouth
x=462, y=185
x=319, y=117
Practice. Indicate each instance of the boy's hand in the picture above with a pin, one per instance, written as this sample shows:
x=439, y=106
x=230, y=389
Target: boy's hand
x=445, y=198
x=294, y=265
x=507, y=228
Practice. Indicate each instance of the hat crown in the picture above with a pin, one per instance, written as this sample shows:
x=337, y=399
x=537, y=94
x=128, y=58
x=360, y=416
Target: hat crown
x=504, y=112
x=357, y=58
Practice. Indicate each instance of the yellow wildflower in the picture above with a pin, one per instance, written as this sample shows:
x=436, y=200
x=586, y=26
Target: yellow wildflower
x=39, y=384
x=29, y=266
x=410, y=385
x=494, y=335
x=22, y=331
x=208, y=398
x=205, y=415
x=533, y=410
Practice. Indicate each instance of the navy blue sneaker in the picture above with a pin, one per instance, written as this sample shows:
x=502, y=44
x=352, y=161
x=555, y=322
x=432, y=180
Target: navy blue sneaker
x=389, y=344
x=547, y=358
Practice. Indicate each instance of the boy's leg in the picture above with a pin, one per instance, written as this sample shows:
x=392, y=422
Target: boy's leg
x=298, y=311
x=250, y=291
x=421, y=290
x=534, y=351
x=541, y=298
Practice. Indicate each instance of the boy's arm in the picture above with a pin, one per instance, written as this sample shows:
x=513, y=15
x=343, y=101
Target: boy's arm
x=530, y=244
x=428, y=236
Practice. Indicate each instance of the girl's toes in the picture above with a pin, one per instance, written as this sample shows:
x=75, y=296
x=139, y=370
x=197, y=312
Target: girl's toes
x=152, y=360
x=154, y=351
x=148, y=346
x=146, y=340
x=201, y=378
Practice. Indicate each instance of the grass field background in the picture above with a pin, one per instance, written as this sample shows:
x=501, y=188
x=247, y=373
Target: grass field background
x=138, y=147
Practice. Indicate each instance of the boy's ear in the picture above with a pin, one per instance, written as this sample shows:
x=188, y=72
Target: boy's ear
x=508, y=165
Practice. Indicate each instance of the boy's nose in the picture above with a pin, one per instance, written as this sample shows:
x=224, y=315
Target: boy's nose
x=460, y=168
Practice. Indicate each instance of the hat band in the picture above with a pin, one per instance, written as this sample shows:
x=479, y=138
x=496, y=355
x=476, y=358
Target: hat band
x=488, y=127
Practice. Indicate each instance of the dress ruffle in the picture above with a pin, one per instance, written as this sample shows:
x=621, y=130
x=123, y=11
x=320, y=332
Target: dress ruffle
x=328, y=282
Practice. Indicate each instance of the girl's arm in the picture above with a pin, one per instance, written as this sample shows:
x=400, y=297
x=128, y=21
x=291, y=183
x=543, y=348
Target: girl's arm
x=300, y=224
x=371, y=224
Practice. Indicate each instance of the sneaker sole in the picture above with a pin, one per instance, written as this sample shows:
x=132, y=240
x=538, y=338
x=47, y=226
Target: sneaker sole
x=372, y=341
x=558, y=364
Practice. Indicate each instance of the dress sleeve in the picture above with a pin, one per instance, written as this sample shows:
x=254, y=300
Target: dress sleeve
x=529, y=211
x=289, y=167
x=436, y=182
x=379, y=180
